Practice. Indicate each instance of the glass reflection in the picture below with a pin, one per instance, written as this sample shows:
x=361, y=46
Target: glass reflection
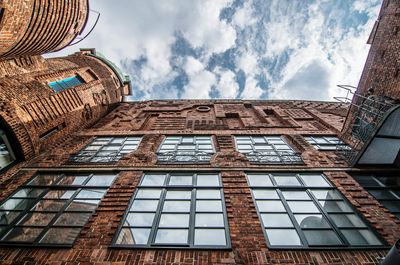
x=283, y=237
x=39, y=219
x=139, y=219
x=311, y=221
x=22, y=234
x=73, y=219
x=174, y=220
x=172, y=236
x=60, y=236
x=210, y=237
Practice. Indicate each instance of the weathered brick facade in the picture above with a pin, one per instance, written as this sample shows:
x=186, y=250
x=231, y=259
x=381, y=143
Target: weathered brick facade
x=222, y=120
x=38, y=117
x=35, y=27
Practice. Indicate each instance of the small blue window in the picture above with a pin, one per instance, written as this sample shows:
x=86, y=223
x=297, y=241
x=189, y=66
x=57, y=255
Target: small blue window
x=66, y=83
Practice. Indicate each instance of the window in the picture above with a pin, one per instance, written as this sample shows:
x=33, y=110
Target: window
x=327, y=143
x=51, y=209
x=176, y=210
x=7, y=156
x=106, y=149
x=60, y=85
x=385, y=188
x=186, y=149
x=267, y=150
x=305, y=211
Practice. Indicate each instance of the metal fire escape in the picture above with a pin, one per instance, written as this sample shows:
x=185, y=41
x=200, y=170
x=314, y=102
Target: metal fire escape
x=366, y=113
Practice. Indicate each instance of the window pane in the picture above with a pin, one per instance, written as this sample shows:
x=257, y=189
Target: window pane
x=37, y=219
x=265, y=194
x=347, y=220
x=60, y=236
x=31, y=192
x=311, y=221
x=101, y=180
x=276, y=220
x=172, y=236
x=287, y=181
x=72, y=180
x=207, y=180
x=208, y=194
x=83, y=205
x=174, y=220
x=45, y=180
x=153, y=180
x=148, y=193
x=383, y=194
x=49, y=205
x=314, y=180
x=296, y=195
x=210, y=237
x=59, y=194
x=22, y=234
x=17, y=204
x=259, y=180
x=180, y=180
x=335, y=206
x=393, y=206
x=139, y=219
x=361, y=237
x=144, y=205
x=327, y=194
x=129, y=236
x=208, y=206
x=270, y=206
x=7, y=217
x=209, y=220
x=73, y=219
x=176, y=206
x=283, y=237
x=173, y=194
x=90, y=194
x=322, y=237
x=303, y=207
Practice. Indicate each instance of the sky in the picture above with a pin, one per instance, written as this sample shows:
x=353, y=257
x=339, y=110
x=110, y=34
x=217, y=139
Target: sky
x=234, y=49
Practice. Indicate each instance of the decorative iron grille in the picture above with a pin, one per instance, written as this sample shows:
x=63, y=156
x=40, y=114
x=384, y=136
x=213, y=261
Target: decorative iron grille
x=194, y=157
x=274, y=157
x=366, y=113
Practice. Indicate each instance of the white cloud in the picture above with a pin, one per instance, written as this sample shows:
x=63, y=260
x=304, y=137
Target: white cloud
x=251, y=89
x=244, y=16
x=227, y=86
x=200, y=80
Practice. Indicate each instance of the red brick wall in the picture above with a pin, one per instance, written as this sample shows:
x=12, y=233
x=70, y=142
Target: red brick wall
x=293, y=119
x=35, y=27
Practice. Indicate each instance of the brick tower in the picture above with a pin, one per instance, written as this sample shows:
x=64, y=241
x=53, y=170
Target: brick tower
x=33, y=27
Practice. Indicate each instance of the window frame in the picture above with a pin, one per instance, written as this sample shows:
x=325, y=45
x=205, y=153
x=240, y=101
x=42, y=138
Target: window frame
x=63, y=85
x=158, y=212
x=278, y=155
x=174, y=152
x=296, y=226
x=75, y=158
x=45, y=189
x=322, y=147
x=380, y=187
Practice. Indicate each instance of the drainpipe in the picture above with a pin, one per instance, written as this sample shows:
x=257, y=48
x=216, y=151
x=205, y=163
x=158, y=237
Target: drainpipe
x=393, y=257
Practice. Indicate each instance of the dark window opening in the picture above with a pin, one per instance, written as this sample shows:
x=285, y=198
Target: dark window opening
x=52, y=131
x=7, y=156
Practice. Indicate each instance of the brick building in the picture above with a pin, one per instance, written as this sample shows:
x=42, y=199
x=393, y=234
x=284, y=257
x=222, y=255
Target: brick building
x=88, y=179
x=198, y=182
x=35, y=27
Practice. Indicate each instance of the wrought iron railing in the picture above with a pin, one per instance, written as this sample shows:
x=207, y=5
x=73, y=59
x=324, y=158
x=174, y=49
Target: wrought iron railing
x=174, y=157
x=94, y=157
x=365, y=114
x=274, y=157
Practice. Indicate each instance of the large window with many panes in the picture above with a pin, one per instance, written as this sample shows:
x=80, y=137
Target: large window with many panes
x=384, y=187
x=106, y=149
x=186, y=149
x=305, y=211
x=267, y=150
x=176, y=210
x=327, y=143
x=51, y=209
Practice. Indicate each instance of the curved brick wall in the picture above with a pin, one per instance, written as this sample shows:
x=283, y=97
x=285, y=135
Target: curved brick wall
x=39, y=116
x=38, y=26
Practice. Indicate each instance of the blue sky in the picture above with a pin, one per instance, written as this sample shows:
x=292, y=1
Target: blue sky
x=244, y=49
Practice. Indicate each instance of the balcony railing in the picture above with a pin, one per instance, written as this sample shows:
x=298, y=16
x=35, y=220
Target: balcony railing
x=93, y=157
x=177, y=157
x=365, y=116
x=275, y=157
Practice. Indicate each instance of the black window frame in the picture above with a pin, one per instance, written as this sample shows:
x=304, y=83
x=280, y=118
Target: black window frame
x=85, y=156
x=158, y=212
x=198, y=157
x=338, y=144
x=380, y=186
x=258, y=158
x=41, y=196
x=322, y=211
